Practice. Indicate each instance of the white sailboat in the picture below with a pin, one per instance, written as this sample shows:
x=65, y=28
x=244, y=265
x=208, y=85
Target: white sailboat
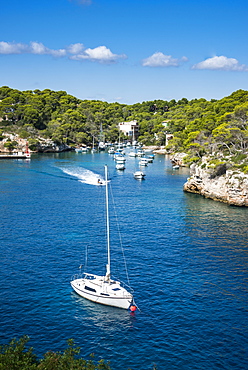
x=101, y=144
x=103, y=289
x=93, y=150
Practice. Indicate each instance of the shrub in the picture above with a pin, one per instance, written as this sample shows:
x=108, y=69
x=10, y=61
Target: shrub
x=215, y=163
x=245, y=169
x=15, y=356
x=238, y=158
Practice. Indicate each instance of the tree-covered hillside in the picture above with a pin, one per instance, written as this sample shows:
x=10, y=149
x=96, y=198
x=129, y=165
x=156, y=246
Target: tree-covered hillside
x=199, y=127
x=66, y=119
x=217, y=129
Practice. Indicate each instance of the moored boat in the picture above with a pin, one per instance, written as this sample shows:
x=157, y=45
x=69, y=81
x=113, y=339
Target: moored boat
x=143, y=162
x=104, y=289
x=111, y=151
x=120, y=159
x=120, y=166
x=139, y=175
x=132, y=154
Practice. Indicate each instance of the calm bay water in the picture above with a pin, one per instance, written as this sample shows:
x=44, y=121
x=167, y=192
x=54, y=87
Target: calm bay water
x=186, y=257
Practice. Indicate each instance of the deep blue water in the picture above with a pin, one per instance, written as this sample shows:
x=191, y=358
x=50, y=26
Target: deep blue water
x=186, y=258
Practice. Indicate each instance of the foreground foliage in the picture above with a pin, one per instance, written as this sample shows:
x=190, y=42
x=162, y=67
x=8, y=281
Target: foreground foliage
x=16, y=356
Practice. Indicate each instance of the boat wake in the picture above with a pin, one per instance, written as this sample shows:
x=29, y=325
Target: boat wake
x=85, y=176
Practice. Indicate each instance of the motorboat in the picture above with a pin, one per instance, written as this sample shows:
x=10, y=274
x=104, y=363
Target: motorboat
x=111, y=151
x=120, y=159
x=139, y=175
x=143, y=162
x=120, y=166
x=132, y=154
x=140, y=153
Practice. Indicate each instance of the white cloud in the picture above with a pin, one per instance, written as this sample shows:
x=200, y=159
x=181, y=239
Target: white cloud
x=76, y=51
x=12, y=48
x=99, y=54
x=221, y=63
x=75, y=48
x=40, y=49
x=32, y=48
x=159, y=59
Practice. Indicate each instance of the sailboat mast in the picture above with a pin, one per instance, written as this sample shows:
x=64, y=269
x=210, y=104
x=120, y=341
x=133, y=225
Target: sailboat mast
x=107, y=225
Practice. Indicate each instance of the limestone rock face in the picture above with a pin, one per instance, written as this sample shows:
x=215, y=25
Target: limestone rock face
x=177, y=159
x=230, y=187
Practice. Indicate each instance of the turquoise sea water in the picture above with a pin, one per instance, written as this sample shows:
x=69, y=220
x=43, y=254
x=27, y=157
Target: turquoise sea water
x=186, y=258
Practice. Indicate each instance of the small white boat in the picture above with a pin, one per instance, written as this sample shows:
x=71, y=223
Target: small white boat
x=103, y=289
x=120, y=166
x=139, y=175
x=120, y=159
x=176, y=167
x=132, y=154
x=101, y=146
x=140, y=153
x=143, y=162
x=111, y=151
x=118, y=153
x=149, y=159
x=17, y=155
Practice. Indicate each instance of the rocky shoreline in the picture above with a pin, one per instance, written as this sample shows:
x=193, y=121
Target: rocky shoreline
x=230, y=187
x=45, y=146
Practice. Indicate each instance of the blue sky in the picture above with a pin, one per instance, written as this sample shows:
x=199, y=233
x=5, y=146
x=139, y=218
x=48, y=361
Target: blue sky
x=126, y=51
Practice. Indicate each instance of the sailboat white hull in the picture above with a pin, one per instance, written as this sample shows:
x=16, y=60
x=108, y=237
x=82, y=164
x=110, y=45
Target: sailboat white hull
x=103, y=289
x=95, y=288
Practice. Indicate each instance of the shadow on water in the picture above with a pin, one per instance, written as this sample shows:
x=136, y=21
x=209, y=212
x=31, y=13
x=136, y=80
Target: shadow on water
x=106, y=318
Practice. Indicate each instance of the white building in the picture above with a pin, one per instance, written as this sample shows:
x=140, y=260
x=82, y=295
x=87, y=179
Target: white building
x=130, y=129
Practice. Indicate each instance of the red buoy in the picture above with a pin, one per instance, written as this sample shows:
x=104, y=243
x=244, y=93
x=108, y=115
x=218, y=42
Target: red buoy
x=133, y=308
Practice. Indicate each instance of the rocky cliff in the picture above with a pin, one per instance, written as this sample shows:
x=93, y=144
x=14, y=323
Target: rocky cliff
x=229, y=186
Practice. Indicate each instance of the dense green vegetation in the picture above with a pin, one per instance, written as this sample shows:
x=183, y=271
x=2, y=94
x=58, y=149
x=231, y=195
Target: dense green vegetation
x=63, y=118
x=17, y=356
x=217, y=129
x=199, y=127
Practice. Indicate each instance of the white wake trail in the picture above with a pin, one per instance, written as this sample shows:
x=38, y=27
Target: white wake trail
x=85, y=176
